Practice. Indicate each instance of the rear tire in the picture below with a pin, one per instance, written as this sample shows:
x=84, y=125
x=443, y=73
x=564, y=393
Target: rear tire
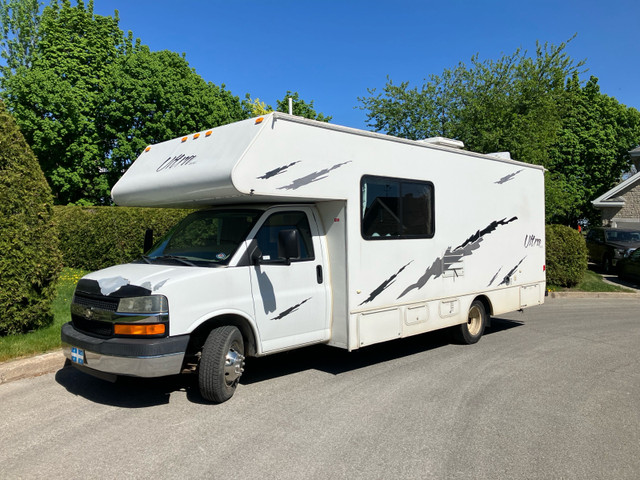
x=471, y=331
x=222, y=364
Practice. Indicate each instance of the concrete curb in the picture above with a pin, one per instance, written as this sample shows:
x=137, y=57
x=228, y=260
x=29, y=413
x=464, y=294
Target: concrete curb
x=31, y=366
x=633, y=295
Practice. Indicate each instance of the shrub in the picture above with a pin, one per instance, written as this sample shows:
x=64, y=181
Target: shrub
x=566, y=256
x=92, y=238
x=29, y=257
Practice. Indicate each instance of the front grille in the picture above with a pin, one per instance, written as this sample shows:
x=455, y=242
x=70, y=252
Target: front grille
x=91, y=302
x=95, y=327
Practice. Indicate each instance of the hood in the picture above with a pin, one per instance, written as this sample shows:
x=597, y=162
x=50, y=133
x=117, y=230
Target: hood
x=135, y=279
x=625, y=245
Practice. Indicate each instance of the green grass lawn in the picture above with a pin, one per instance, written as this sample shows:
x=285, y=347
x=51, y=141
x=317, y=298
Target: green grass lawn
x=48, y=338
x=591, y=282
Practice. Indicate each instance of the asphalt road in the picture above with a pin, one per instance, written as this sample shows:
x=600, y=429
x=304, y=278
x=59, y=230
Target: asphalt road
x=553, y=392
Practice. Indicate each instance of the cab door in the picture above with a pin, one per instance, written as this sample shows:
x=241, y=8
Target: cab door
x=291, y=300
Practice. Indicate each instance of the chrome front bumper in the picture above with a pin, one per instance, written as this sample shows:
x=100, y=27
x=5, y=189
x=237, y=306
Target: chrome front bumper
x=153, y=357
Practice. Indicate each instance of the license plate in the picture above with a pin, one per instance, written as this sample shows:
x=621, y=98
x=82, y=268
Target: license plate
x=77, y=355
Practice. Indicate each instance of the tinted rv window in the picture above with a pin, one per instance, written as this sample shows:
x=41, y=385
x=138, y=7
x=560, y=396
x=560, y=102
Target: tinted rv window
x=396, y=208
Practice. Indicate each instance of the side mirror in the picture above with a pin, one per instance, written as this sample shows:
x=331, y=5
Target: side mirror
x=148, y=240
x=288, y=244
x=255, y=255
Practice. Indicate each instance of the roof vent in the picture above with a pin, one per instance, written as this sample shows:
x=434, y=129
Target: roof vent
x=444, y=142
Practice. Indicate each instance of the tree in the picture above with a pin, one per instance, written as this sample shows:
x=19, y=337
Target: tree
x=91, y=99
x=255, y=107
x=527, y=105
x=155, y=96
x=590, y=153
x=19, y=23
x=300, y=107
x=30, y=260
x=55, y=100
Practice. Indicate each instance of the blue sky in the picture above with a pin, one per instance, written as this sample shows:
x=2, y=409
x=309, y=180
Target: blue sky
x=332, y=51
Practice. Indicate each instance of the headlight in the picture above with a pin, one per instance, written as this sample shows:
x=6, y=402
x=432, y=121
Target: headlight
x=148, y=304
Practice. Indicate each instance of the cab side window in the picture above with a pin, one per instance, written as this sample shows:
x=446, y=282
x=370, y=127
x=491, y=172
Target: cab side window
x=267, y=236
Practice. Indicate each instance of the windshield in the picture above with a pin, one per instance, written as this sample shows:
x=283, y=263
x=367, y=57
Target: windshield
x=204, y=238
x=623, y=236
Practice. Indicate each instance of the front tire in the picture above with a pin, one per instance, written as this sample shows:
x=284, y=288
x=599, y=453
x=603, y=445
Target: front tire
x=222, y=364
x=471, y=331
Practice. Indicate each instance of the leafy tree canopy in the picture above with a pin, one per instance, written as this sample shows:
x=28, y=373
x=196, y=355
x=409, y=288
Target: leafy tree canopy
x=533, y=106
x=88, y=98
x=256, y=107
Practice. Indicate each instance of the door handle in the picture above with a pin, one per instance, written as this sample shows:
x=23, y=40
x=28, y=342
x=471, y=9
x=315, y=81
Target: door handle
x=319, y=276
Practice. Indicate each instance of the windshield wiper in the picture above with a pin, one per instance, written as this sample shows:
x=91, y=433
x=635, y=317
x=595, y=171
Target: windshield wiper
x=175, y=257
x=147, y=259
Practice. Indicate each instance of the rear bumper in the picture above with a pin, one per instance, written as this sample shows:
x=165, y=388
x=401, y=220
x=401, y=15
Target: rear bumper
x=152, y=357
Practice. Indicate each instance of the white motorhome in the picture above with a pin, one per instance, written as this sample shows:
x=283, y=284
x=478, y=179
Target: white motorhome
x=308, y=233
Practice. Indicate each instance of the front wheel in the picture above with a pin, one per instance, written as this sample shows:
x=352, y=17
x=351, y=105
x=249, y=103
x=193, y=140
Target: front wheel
x=222, y=364
x=471, y=331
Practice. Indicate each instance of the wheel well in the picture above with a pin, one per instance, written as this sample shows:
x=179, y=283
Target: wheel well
x=486, y=303
x=200, y=334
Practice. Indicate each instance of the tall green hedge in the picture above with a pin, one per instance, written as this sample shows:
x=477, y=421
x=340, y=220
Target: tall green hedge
x=29, y=257
x=566, y=256
x=97, y=237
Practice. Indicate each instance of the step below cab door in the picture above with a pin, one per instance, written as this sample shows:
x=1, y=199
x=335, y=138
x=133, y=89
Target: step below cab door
x=291, y=299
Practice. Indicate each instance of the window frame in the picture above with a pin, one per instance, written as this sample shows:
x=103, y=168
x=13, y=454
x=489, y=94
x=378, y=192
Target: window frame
x=400, y=181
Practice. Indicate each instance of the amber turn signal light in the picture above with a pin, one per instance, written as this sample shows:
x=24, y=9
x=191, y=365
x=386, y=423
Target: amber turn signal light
x=139, y=329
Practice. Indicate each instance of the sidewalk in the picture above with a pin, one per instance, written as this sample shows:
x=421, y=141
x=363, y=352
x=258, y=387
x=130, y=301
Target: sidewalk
x=31, y=366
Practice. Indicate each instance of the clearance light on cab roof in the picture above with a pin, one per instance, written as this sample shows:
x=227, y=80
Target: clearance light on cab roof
x=259, y=120
x=208, y=133
x=147, y=149
x=138, y=329
x=196, y=135
x=184, y=139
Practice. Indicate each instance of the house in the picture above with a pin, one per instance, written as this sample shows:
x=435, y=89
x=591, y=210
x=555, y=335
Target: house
x=620, y=206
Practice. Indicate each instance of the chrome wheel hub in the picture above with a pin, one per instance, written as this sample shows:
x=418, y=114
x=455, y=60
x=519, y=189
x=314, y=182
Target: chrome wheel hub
x=233, y=366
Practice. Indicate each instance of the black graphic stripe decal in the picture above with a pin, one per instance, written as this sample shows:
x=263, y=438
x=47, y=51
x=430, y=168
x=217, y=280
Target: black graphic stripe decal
x=493, y=279
x=507, y=279
x=312, y=177
x=276, y=171
x=440, y=265
x=384, y=285
x=481, y=233
x=506, y=178
x=290, y=310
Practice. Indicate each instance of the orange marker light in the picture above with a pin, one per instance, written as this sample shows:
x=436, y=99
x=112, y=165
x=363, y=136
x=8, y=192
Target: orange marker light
x=259, y=120
x=147, y=149
x=208, y=133
x=196, y=136
x=138, y=329
x=184, y=139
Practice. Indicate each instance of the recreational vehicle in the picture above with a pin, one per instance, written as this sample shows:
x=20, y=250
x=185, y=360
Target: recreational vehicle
x=304, y=233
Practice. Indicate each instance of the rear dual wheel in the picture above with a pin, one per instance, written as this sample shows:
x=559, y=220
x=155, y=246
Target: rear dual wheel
x=221, y=364
x=471, y=331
